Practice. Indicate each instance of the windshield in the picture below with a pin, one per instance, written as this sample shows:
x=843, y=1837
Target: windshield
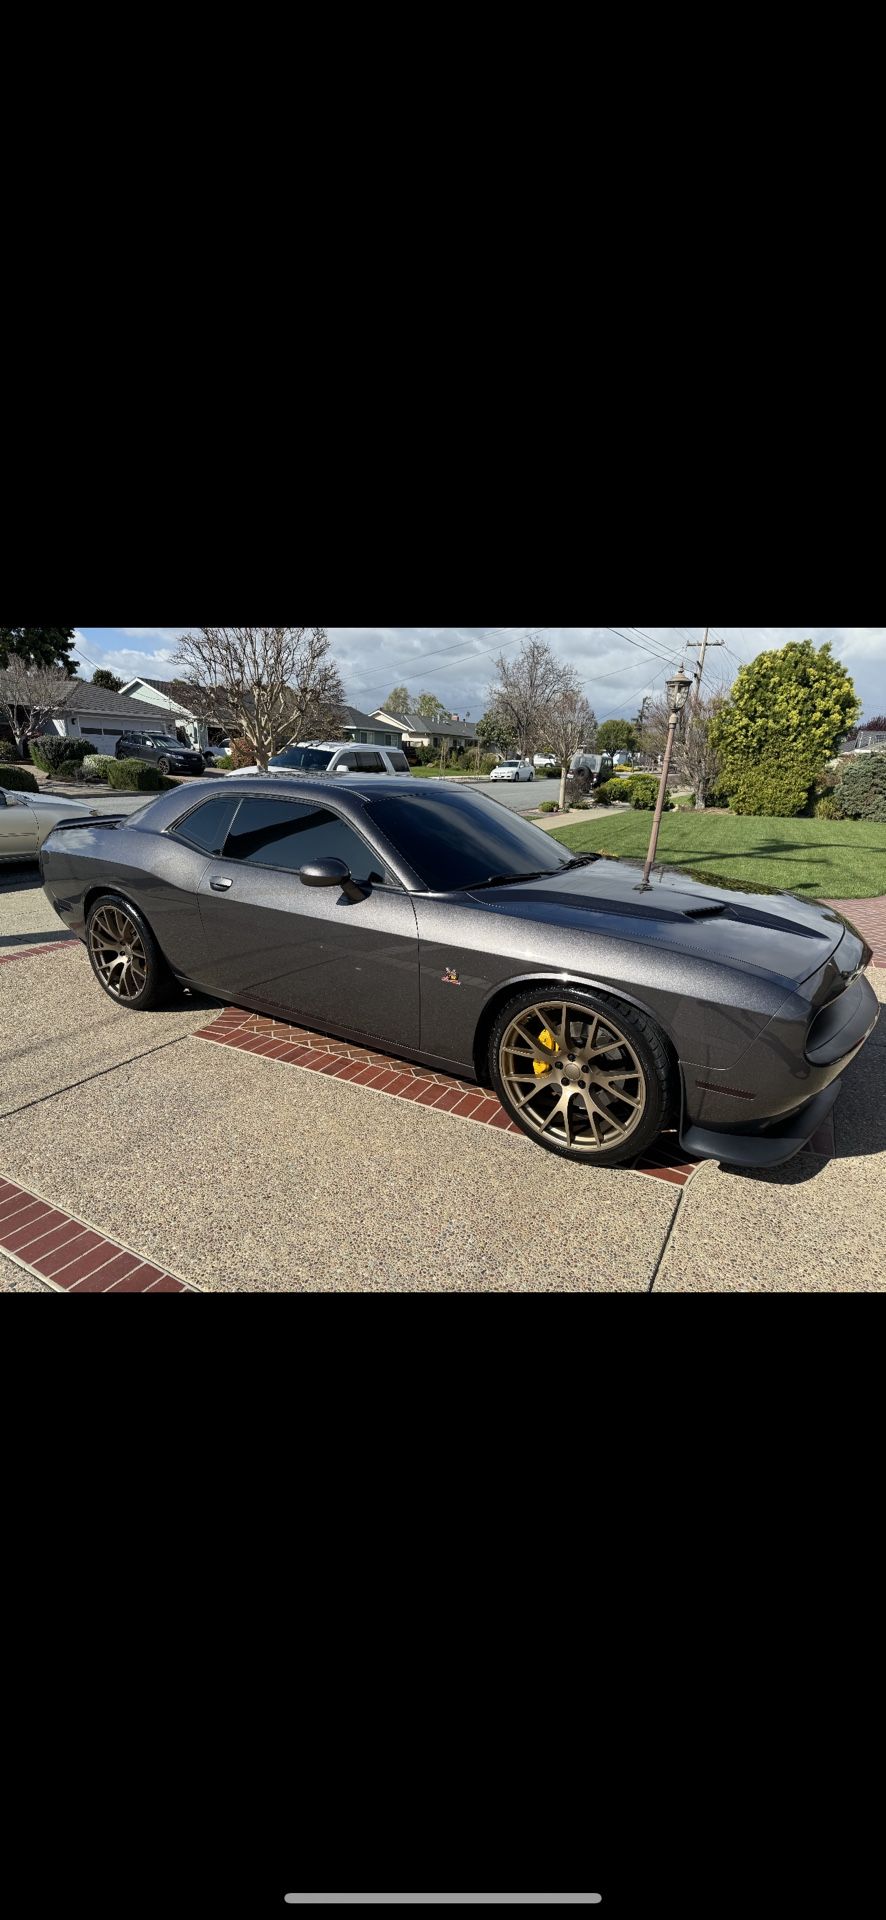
x=312, y=759
x=454, y=840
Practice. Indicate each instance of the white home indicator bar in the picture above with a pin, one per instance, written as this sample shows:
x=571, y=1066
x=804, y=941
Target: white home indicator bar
x=443, y=1899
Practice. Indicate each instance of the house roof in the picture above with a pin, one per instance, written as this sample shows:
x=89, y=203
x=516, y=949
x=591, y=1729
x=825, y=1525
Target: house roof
x=89, y=699
x=417, y=723
x=354, y=718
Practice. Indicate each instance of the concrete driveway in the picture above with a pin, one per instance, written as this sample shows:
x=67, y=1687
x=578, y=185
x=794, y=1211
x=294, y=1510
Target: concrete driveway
x=184, y=1165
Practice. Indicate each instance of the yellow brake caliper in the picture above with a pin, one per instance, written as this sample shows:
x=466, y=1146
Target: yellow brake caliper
x=545, y=1039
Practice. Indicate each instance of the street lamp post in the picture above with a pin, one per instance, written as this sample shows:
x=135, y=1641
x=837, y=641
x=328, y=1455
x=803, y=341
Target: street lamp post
x=678, y=693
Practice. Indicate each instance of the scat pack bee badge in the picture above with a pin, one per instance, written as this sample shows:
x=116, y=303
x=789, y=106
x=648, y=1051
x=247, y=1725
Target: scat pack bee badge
x=450, y=978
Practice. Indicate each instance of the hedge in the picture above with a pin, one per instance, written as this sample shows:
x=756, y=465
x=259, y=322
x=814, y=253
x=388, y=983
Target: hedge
x=18, y=780
x=136, y=776
x=50, y=751
x=777, y=787
x=861, y=793
x=99, y=764
x=8, y=752
x=69, y=770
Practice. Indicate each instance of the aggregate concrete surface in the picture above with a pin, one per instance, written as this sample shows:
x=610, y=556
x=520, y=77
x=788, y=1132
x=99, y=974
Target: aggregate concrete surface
x=13, y=1279
x=244, y=1175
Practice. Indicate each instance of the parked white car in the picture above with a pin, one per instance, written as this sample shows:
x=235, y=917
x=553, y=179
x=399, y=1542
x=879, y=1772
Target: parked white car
x=26, y=819
x=335, y=756
x=543, y=760
x=513, y=770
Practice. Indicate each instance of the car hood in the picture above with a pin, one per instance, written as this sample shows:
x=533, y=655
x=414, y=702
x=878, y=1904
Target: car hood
x=768, y=933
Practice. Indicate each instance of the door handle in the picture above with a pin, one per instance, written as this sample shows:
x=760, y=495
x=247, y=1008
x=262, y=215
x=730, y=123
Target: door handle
x=220, y=886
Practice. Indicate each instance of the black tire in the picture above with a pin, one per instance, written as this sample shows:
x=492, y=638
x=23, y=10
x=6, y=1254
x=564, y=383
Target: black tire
x=163, y=766
x=615, y=1122
x=112, y=922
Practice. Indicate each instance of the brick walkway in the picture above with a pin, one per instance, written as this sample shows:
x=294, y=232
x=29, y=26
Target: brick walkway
x=869, y=916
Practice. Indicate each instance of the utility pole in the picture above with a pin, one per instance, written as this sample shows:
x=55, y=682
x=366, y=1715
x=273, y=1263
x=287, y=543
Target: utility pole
x=703, y=645
x=678, y=686
x=638, y=723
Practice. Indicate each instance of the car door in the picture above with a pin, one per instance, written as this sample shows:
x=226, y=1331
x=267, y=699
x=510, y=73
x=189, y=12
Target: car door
x=310, y=951
x=18, y=828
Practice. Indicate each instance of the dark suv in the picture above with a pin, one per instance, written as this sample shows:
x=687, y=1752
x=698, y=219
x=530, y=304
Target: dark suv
x=161, y=751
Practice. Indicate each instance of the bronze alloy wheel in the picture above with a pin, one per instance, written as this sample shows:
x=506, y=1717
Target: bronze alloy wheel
x=573, y=1076
x=118, y=952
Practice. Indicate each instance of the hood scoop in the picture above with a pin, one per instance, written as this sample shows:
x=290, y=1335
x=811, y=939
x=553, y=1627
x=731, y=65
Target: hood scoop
x=704, y=913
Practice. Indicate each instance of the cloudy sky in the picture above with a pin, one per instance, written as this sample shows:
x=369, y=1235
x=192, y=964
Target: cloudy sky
x=616, y=665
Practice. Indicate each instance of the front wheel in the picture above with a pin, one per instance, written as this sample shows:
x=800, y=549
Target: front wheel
x=163, y=766
x=124, y=955
x=583, y=1075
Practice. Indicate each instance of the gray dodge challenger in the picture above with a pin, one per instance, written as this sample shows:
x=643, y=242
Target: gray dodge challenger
x=437, y=924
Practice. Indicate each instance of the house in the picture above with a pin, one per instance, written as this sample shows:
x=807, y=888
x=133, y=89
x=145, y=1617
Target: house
x=416, y=731
x=178, y=711
x=93, y=714
x=175, y=712
x=372, y=729
x=865, y=741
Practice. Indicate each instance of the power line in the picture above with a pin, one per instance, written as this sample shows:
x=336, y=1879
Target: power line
x=470, y=654
x=656, y=651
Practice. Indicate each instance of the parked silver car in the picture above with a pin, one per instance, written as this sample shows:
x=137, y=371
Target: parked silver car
x=27, y=818
x=336, y=756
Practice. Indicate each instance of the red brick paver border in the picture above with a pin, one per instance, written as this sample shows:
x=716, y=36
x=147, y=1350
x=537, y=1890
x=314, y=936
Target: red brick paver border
x=319, y=1053
x=869, y=916
x=27, y=953
x=71, y=1257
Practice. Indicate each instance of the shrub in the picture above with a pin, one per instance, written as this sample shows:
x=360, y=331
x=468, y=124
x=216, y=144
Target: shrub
x=644, y=791
x=18, y=780
x=50, y=751
x=135, y=776
x=97, y=765
x=242, y=754
x=827, y=808
x=8, y=752
x=778, y=786
x=578, y=787
x=548, y=806
x=69, y=770
x=861, y=792
x=224, y=765
x=611, y=790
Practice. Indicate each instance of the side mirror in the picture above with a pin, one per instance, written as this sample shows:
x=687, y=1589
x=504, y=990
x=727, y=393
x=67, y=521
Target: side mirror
x=331, y=873
x=342, y=769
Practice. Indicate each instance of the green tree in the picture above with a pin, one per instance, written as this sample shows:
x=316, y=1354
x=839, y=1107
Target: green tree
x=430, y=707
x=103, y=678
x=495, y=734
x=39, y=647
x=616, y=736
x=788, y=711
x=399, y=701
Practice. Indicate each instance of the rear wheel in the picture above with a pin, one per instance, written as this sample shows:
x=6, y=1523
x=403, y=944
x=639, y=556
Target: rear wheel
x=163, y=766
x=583, y=1075
x=124, y=955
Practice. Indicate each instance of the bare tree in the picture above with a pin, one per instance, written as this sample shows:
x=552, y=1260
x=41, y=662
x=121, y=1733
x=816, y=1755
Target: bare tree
x=279, y=683
x=570, y=724
x=696, y=763
x=526, y=689
x=29, y=696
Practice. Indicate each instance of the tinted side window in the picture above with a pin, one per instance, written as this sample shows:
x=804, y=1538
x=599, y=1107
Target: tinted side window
x=206, y=827
x=289, y=834
x=348, y=760
x=399, y=761
x=370, y=763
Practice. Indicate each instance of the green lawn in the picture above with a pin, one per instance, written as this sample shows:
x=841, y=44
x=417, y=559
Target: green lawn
x=817, y=859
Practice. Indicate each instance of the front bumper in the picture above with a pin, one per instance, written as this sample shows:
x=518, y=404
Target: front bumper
x=836, y=1035
x=762, y=1149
